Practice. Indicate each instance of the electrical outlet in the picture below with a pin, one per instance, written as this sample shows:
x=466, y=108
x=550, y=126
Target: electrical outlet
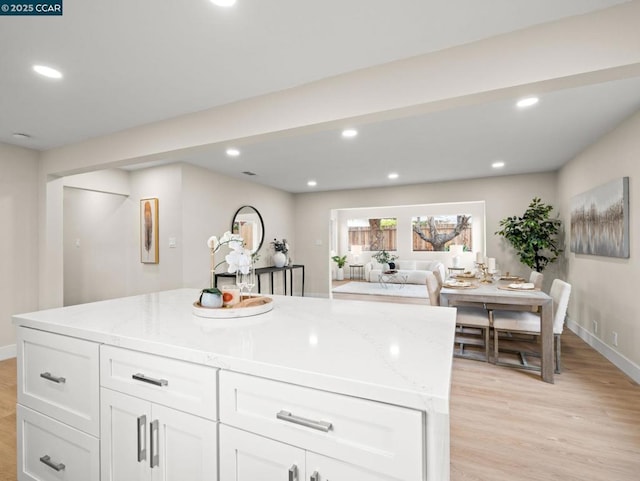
x=595, y=327
x=615, y=338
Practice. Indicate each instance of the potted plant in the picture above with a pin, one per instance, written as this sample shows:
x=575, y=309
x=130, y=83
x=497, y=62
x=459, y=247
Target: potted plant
x=384, y=257
x=340, y=261
x=533, y=236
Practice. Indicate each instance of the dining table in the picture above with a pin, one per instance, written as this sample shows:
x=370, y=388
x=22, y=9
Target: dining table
x=499, y=293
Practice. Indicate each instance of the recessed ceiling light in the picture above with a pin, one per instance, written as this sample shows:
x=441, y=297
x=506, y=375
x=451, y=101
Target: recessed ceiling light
x=47, y=71
x=498, y=165
x=527, y=102
x=224, y=3
x=393, y=175
x=349, y=133
x=312, y=183
x=233, y=152
x=21, y=136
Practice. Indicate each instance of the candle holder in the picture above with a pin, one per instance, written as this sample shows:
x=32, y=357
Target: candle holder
x=486, y=277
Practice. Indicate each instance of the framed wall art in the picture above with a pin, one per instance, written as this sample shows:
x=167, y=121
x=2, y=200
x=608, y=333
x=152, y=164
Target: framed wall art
x=600, y=220
x=149, y=252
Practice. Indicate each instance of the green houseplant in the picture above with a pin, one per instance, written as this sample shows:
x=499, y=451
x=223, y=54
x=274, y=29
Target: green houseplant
x=384, y=257
x=534, y=235
x=340, y=261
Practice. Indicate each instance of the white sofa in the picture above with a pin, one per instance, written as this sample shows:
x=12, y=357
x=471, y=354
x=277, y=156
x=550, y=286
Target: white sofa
x=414, y=270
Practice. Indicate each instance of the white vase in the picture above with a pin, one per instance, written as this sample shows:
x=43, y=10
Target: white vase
x=279, y=259
x=340, y=274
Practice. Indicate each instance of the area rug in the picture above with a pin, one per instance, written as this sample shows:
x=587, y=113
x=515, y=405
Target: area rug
x=374, y=288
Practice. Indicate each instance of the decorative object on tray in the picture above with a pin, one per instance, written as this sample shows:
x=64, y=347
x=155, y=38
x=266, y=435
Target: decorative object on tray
x=281, y=248
x=211, y=298
x=236, y=259
x=248, y=306
x=230, y=296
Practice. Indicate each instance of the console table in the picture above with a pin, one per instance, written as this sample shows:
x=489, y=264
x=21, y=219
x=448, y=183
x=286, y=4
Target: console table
x=271, y=270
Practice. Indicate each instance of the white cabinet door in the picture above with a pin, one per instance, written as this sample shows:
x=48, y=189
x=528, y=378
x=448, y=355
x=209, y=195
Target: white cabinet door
x=145, y=441
x=322, y=468
x=187, y=447
x=124, y=450
x=249, y=457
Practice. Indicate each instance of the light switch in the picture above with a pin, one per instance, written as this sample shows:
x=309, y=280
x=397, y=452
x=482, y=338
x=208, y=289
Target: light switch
x=77, y=242
x=318, y=242
x=172, y=242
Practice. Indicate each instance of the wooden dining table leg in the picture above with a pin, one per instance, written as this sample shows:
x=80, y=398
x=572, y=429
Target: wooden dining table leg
x=546, y=339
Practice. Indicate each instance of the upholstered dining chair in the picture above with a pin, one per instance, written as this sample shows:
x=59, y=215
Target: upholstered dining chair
x=474, y=318
x=527, y=322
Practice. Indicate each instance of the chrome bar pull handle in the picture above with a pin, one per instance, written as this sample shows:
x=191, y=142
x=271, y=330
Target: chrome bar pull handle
x=46, y=459
x=50, y=377
x=154, y=440
x=309, y=423
x=293, y=473
x=315, y=476
x=142, y=436
x=156, y=382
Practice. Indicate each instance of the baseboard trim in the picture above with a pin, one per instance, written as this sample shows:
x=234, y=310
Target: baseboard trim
x=7, y=352
x=621, y=362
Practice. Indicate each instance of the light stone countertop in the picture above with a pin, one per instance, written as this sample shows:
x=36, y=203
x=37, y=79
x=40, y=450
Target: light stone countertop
x=395, y=353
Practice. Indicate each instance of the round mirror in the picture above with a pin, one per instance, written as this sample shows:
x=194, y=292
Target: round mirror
x=247, y=222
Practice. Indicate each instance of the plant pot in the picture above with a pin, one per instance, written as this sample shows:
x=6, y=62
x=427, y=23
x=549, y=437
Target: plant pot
x=340, y=274
x=279, y=259
x=208, y=299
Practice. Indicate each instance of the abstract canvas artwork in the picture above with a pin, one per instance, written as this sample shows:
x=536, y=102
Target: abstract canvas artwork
x=600, y=220
x=149, y=252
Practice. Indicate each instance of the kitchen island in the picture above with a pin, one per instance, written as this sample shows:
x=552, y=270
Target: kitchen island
x=315, y=389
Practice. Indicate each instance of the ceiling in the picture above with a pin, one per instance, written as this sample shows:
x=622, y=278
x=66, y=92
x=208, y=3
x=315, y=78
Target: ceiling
x=127, y=64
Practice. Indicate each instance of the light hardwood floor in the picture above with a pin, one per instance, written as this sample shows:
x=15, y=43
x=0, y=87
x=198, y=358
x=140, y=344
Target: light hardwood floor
x=506, y=424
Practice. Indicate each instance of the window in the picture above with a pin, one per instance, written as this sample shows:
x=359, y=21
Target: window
x=373, y=234
x=438, y=232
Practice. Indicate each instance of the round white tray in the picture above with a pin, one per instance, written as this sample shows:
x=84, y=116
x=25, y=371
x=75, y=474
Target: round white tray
x=231, y=312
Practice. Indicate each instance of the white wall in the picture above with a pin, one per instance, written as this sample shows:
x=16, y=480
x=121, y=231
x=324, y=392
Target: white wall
x=209, y=202
x=18, y=240
x=194, y=204
x=605, y=289
x=95, y=245
x=503, y=197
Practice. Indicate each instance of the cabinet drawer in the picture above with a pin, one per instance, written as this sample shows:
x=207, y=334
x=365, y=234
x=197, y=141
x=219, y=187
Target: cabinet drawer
x=178, y=384
x=387, y=439
x=59, y=376
x=51, y=450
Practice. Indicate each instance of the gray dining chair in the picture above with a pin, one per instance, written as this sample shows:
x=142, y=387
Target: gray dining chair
x=472, y=325
x=527, y=322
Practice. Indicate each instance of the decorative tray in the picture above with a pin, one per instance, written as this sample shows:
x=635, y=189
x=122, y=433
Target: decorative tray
x=465, y=275
x=517, y=289
x=248, y=306
x=459, y=285
x=511, y=278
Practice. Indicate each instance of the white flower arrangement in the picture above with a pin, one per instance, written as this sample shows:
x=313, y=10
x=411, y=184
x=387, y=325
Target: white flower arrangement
x=239, y=259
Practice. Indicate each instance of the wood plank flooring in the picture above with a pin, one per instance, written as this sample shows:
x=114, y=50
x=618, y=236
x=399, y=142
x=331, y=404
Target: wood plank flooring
x=506, y=424
x=8, y=420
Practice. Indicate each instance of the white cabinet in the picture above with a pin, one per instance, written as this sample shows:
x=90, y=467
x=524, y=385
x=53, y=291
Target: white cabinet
x=246, y=456
x=371, y=440
x=49, y=450
x=146, y=441
x=58, y=407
